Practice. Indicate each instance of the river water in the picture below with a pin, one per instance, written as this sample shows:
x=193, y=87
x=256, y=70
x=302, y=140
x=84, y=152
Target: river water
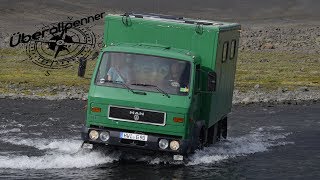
x=40, y=139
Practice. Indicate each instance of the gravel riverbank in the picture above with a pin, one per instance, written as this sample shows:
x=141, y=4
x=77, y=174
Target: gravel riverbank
x=252, y=96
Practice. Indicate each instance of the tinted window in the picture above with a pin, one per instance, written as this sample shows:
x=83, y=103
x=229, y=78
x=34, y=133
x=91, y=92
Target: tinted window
x=225, y=51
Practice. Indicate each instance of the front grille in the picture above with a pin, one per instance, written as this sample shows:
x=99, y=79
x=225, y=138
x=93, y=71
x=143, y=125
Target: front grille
x=137, y=115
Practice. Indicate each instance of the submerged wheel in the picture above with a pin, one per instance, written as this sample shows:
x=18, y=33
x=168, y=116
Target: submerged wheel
x=218, y=131
x=214, y=133
x=201, y=139
x=224, y=127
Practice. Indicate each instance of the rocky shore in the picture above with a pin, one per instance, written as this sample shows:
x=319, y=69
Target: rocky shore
x=281, y=37
x=253, y=96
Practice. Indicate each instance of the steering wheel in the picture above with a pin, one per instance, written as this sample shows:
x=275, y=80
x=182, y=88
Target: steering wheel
x=174, y=83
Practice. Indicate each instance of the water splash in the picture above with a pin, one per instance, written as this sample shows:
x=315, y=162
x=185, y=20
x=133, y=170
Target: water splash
x=54, y=161
x=58, y=145
x=259, y=140
x=63, y=153
x=13, y=130
x=59, y=154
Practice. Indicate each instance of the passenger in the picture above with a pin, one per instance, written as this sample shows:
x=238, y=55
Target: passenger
x=176, y=76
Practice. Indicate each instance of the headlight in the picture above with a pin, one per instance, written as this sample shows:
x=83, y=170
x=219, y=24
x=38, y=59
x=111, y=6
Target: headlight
x=93, y=135
x=104, y=136
x=174, y=145
x=163, y=143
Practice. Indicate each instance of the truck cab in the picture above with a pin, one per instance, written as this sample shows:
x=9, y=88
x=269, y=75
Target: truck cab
x=161, y=83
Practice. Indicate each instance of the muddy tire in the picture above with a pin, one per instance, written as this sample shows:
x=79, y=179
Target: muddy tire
x=198, y=137
x=214, y=134
x=218, y=138
x=224, y=127
x=201, y=139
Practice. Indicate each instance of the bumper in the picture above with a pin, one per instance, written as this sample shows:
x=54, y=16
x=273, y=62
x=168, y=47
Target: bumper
x=151, y=144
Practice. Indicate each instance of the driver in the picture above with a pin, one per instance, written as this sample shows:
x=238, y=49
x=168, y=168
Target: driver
x=119, y=70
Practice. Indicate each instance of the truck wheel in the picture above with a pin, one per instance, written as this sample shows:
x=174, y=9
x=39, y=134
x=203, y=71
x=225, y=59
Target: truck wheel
x=213, y=133
x=218, y=137
x=198, y=137
x=201, y=139
x=224, y=127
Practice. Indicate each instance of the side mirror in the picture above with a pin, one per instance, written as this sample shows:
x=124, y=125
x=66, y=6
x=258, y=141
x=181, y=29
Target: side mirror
x=82, y=67
x=212, y=81
x=94, y=55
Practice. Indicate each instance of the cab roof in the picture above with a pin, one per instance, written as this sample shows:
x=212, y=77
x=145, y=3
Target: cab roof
x=152, y=49
x=182, y=20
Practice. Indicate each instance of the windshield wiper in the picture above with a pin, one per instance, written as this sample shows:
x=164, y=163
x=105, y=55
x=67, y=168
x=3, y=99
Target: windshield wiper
x=151, y=85
x=120, y=82
x=126, y=86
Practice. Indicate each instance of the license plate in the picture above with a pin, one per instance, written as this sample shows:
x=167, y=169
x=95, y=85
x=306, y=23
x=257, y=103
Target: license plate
x=132, y=136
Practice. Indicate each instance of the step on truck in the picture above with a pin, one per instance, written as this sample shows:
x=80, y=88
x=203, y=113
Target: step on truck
x=161, y=83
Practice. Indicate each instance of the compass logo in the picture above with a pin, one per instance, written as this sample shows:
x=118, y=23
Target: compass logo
x=57, y=45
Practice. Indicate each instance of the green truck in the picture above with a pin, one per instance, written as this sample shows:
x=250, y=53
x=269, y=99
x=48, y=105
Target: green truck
x=162, y=83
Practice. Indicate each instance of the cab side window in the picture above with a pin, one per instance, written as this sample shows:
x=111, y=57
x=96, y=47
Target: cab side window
x=225, y=51
x=233, y=48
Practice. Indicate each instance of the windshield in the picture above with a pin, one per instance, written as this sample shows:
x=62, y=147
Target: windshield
x=144, y=72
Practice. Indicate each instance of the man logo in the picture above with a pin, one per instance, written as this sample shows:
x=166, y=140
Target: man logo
x=136, y=117
x=137, y=113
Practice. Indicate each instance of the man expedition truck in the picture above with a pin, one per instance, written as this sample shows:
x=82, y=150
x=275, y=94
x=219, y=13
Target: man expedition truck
x=162, y=83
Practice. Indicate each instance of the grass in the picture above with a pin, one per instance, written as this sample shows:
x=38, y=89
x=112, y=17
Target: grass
x=18, y=71
x=271, y=70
